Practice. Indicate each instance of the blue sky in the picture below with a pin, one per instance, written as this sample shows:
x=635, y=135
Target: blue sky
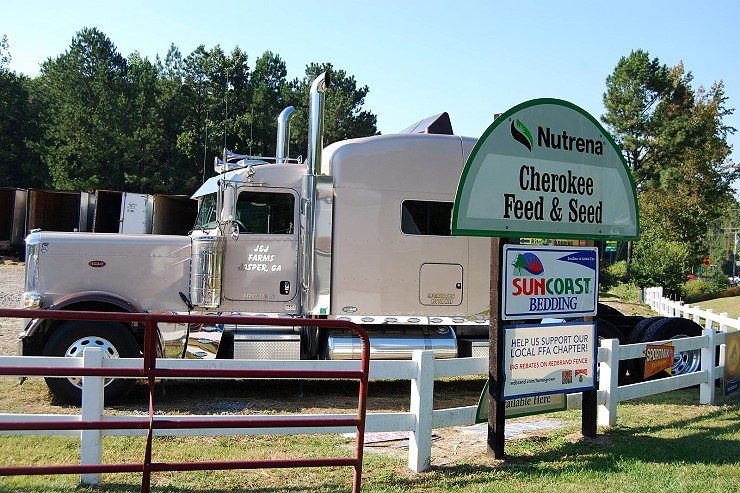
x=469, y=58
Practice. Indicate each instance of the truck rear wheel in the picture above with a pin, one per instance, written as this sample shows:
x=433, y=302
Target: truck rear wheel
x=636, y=366
x=71, y=338
x=607, y=330
x=676, y=328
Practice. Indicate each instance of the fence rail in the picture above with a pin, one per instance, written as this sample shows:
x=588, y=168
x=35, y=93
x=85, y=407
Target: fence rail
x=91, y=423
x=422, y=370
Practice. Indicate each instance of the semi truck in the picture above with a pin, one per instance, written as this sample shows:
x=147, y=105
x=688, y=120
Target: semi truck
x=358, y=232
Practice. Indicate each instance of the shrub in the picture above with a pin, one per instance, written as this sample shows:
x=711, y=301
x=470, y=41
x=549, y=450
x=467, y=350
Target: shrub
x=725, y=293
x=696, y=289
x=657, y=262
x=617, y=272
x=718, y=280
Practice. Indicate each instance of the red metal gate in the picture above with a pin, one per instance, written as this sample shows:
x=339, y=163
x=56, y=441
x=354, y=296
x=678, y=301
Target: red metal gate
x=150, y=372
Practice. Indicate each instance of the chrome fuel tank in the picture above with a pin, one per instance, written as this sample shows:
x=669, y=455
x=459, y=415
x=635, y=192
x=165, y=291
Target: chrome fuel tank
x=392, y=343
x=205, y=271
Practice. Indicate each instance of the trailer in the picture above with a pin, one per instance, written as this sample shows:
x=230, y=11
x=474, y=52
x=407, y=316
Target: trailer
x=12, y=219
x=55, y=210
x=173, y=214
x=137, y=210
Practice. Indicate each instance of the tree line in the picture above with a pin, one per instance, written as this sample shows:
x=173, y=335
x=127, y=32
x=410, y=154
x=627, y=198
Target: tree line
x=94, y=119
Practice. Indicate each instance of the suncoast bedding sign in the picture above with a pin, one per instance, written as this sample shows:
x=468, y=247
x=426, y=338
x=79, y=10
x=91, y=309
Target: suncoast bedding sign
x=547, y=169
x=541, y=281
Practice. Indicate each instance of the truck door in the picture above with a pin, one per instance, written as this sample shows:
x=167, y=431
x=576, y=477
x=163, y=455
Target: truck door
x=261, y=262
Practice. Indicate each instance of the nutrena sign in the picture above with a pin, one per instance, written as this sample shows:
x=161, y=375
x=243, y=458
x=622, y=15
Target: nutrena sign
x=546, y=169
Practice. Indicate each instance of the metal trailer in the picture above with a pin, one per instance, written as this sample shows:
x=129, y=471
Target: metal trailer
x=173, y=214
x=136, y=213
x=12, y=218
x=54, y=210
x=107, y=217
x=87, y=211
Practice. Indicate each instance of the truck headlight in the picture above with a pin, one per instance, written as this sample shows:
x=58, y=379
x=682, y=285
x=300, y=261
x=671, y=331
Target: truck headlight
x=31, y=299
x=32, y=261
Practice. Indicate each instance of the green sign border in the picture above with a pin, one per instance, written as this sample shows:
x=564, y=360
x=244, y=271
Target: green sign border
x=516, y=234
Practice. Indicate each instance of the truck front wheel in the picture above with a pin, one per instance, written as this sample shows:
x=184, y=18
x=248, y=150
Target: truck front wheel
x=71, y=338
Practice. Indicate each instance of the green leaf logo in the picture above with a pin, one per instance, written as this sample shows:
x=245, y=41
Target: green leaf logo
x=521, y=134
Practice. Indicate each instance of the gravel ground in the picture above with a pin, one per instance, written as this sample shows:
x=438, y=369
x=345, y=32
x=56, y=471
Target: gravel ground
x=11, y=287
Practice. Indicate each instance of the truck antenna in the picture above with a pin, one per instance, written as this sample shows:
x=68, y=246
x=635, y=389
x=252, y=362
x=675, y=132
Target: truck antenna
x=226, y=110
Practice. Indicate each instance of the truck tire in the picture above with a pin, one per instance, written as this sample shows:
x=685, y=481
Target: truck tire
x=676, y=328
x=71, y=338
x=607, y=330
x=636, y=367
x=603, y=310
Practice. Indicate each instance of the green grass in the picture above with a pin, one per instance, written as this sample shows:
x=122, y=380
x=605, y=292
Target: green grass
x=665, y=442
x=730, y=305
x=624, y=291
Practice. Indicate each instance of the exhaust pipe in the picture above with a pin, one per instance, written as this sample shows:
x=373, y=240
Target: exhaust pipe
x=316, y=122
x=315, y=145
x=283, y=134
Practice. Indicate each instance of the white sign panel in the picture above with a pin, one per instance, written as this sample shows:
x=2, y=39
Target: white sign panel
x=549, y=359
x=547, y=169
x=546, y=281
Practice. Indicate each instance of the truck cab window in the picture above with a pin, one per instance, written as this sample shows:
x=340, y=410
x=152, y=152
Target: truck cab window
x=265, y=213
x=207, y=213
x=420, y=217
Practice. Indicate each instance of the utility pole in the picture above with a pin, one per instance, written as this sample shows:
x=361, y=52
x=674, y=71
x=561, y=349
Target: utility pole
x=734, y=258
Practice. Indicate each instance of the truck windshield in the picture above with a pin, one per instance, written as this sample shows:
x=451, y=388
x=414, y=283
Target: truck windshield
x=207, y=213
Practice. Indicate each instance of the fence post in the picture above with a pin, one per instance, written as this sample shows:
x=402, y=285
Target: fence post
x=708, y=320
x=723, y=321
x=422, y=400
x=91, y=452
x=608, y=382
x=696, y=318
x=706, y=389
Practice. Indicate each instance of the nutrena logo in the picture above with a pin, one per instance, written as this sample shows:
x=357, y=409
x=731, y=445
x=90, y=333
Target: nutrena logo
x=546, y=137
x=521, y=134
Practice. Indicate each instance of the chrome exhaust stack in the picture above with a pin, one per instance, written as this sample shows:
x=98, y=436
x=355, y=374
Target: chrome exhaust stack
x=316, y=104
x=283, y=135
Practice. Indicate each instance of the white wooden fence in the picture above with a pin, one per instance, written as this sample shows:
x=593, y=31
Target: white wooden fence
x=422, y=370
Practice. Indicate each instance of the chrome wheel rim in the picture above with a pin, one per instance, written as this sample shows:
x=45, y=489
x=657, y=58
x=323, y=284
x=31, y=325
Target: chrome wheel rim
x=76, y=348
x=687, y=361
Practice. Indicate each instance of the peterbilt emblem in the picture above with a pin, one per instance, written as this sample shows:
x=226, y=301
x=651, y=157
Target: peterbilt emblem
x=96, y=263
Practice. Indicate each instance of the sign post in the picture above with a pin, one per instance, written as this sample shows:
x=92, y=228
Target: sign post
x=543, y=169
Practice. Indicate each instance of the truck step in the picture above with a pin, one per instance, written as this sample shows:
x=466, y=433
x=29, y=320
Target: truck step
x=267, y=343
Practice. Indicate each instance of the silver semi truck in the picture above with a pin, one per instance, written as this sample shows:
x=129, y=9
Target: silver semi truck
x=359, y=232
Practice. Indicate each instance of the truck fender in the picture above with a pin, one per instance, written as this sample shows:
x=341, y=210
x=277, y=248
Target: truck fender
x=88, y=300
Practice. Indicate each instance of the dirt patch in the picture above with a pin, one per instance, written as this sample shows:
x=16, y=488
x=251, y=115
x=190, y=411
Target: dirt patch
x=627, y=307
x=11, y=287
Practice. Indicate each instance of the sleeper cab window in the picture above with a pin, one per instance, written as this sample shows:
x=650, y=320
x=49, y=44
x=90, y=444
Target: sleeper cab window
x=265, y=213
x=426, y=218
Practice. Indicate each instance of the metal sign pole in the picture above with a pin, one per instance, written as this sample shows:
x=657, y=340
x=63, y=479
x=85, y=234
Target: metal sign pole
x=589, y=405
x=497, y=406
